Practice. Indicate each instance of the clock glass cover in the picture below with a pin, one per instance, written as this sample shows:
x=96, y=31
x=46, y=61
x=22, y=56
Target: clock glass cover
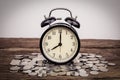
x=59, y=44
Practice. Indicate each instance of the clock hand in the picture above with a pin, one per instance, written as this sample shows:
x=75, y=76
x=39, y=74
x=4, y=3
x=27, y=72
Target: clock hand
x=56, y=46
x=60, y=39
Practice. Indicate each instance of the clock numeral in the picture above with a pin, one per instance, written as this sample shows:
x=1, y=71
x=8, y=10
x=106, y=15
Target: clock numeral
x=60, y=31
x=46, y=44
x=60, y=56
x=53, y=54
x=53, y=33
x=48, y=50
x=71, y=36
x=73, y=43
x=67, y=55
x=66, y=32
x=71, y=50
x=49, y=37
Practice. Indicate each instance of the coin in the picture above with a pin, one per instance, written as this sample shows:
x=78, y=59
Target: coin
x=92, y=59
x=94, y=68
x=40, y=74
x=32, y=73
x=83, y=74
x=26, y=71
x=15, y=62
x=111, y=64
x=96, y=61
x=14, y=68
x=76, y=74
x=90, y=65
x=68, y=73
x=104, y=69
x=83, y=65
x=84, y=54
x=94, y=72
x=18, y=57
x=90, y=62
x=104, y=62
x=99, y=56
x=100, y=64
x=28, y=66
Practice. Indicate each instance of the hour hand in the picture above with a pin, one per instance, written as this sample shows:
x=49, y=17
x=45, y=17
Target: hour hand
x=55, y=47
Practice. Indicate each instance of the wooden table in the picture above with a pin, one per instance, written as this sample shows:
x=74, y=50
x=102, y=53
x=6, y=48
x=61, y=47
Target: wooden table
x=110, y=49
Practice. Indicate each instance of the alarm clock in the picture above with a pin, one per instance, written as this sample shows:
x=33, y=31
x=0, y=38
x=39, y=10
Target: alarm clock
x=60, y=43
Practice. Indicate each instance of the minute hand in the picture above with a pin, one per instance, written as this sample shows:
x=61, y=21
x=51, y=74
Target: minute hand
x=60, y=39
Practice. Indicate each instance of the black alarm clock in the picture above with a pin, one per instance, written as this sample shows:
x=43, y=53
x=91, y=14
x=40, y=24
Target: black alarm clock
x=60, y=43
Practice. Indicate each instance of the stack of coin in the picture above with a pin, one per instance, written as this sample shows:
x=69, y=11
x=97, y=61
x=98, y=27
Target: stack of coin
x=83, y=65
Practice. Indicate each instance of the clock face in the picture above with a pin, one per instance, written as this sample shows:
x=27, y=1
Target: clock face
x=60, y=44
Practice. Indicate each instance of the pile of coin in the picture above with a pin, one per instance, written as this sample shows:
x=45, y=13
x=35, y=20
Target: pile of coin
x=83, y=65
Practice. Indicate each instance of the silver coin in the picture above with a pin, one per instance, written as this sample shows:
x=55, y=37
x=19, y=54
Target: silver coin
x=92, y=59
x=103, y=69
x=63, y=68
x=13, y=71
x=90, y=62
x=91, y=55
x=99, y=56
x=18, y=56
x=14, y=68
x=104, y=62
x=102, y=59
x=56, y=69
x=82, y=71
x=26, y=71
x=78, y=67
x=35, y=54
x=100, y=64
x=32, y=73
x=94, y=72
x=84, y=54
x=52, y=74
x=29, y=66
x=83, y=74
x=15, y=62
x=25, y=61
x=61, y=73
x=36, y=68
x=76, y=61
x=111, y=64
x=69, y=73
x=85, y=66
x=79, y=55
x=97, y=61
x=40, y=74
x=82, y=59
x=90, y=65
x=94, y=68
x=76, y=74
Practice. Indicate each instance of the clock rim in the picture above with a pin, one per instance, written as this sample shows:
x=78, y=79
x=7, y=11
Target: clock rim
x=62, y=25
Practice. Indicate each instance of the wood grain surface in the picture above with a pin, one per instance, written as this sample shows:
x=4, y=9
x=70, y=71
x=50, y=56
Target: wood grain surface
x=110, y=49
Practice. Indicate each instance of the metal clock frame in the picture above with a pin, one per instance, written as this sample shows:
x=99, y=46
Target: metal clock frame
x=61, y=25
